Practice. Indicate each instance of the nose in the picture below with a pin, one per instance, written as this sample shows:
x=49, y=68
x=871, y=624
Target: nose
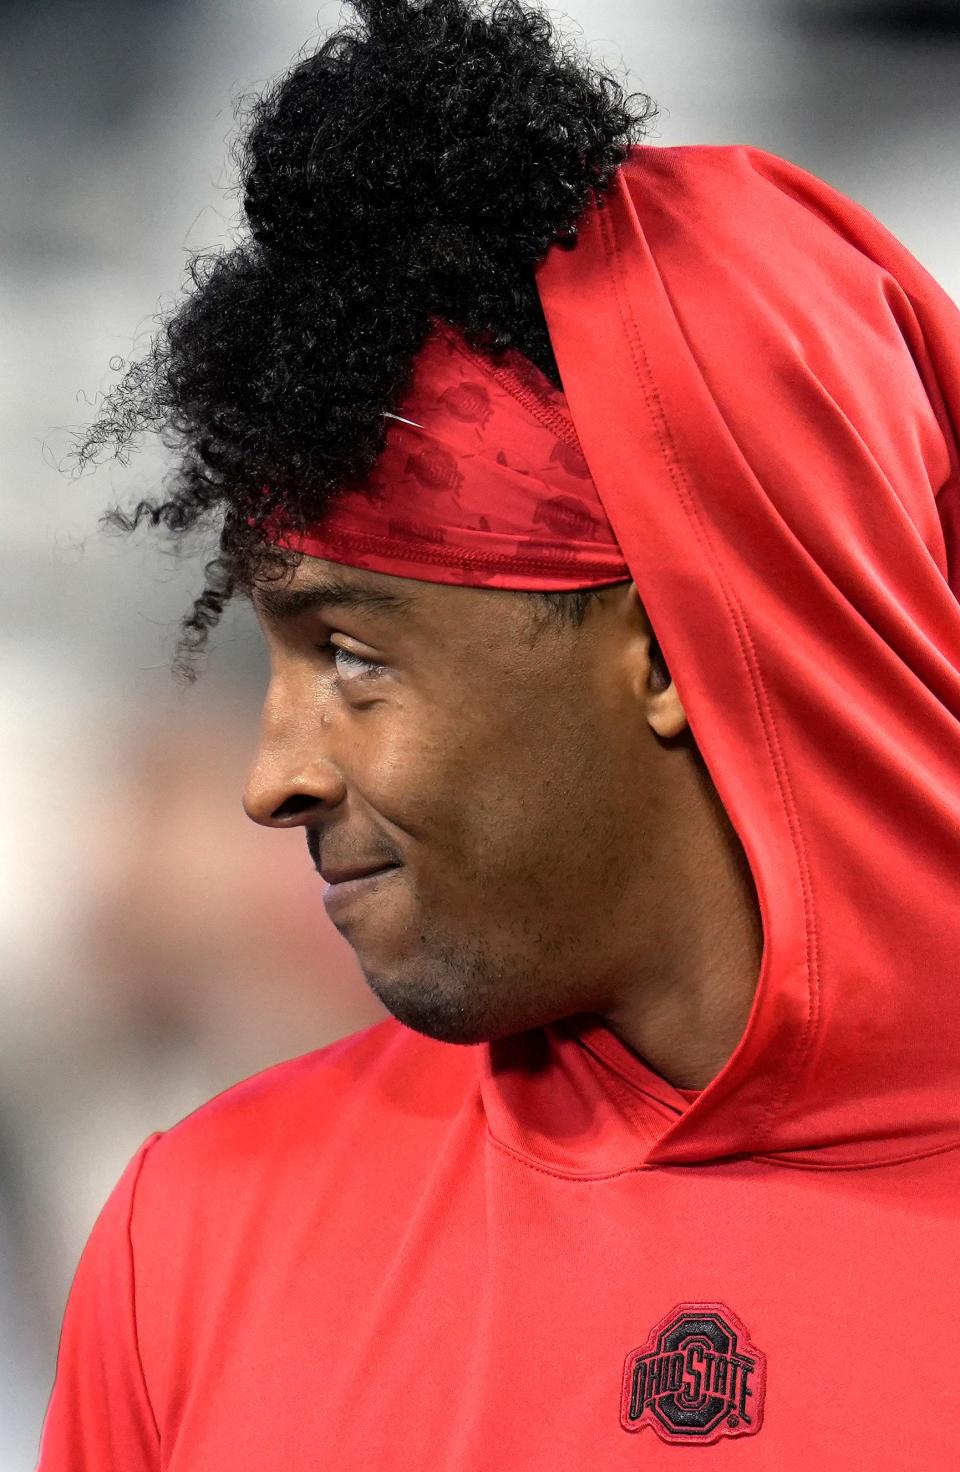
x=294, y=779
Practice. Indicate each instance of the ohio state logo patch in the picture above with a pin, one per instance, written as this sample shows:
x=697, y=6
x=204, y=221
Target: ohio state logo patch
x=697, y=1378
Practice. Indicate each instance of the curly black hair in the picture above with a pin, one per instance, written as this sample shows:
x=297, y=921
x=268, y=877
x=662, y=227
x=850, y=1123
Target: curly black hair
x=416, y=165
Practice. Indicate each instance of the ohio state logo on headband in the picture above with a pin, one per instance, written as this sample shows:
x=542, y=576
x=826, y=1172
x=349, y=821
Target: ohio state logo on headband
x=697, y=1378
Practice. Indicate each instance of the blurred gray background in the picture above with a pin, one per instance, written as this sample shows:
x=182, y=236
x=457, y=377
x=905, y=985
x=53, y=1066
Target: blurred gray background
x=155, y=946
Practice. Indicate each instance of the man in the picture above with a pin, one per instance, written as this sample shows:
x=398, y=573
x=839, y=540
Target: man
x=658, y=1149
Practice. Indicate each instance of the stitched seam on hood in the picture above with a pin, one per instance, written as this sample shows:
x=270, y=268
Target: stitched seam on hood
x=676, y=470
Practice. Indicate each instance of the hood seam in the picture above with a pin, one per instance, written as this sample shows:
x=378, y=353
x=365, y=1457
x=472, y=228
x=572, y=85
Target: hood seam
x=677, y=472
x=644, y=1167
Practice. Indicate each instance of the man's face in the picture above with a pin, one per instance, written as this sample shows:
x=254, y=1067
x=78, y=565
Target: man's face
x=498, y=759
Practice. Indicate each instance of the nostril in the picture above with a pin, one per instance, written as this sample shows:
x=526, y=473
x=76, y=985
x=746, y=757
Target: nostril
x=292, y=807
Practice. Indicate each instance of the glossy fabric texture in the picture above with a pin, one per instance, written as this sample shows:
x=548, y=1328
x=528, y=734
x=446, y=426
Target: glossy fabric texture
x=402, y=1254
x=482, y=482
x=785, y=378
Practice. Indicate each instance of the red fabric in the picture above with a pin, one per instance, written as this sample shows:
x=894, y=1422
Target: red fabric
x=484, y=485
x=402, y=1254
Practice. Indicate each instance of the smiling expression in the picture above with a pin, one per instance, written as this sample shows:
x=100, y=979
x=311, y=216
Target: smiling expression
x=493, y=757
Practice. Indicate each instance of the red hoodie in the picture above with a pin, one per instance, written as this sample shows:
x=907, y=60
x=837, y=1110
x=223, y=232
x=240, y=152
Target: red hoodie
x=399, y=1254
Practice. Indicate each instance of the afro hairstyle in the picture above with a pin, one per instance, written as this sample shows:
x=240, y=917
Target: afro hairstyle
x=417, y=165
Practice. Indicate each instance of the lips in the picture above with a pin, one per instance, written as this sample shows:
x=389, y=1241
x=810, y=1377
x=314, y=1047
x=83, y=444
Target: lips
x=354, y=871
x=348, y=885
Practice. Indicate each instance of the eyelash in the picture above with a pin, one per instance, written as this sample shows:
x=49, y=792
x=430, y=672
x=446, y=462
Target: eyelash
x=369, y=669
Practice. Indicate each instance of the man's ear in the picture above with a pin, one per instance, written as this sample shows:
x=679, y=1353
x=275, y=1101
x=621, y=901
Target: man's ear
x=664, y=707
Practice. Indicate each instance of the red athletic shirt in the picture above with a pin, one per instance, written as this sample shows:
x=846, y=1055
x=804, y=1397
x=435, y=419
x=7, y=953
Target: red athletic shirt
x=401, y=1254
x=536, y=1255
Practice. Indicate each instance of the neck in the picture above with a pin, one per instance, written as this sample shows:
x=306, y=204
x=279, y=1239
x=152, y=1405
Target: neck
x=685, y=1011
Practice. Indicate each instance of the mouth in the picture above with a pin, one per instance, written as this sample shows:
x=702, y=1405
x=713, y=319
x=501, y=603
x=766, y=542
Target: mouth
x=344, y=885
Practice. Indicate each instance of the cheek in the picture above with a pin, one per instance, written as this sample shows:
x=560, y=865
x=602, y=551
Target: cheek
x=451, y=790
x=528, y=821
x=403, y=769
x=502, y=803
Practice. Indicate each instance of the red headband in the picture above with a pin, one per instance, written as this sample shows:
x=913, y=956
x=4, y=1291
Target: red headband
x=486, y=486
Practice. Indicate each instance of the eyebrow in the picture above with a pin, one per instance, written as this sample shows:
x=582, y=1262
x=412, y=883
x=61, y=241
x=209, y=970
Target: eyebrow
x=285, y=604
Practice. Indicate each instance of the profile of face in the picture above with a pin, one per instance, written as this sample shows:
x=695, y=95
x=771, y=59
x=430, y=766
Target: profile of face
x=499, y=778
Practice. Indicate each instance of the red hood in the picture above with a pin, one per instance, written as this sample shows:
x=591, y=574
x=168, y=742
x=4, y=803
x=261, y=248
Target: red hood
x=766, y=387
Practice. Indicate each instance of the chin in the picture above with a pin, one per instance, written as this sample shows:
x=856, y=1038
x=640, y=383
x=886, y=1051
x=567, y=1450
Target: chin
x=439, y=1006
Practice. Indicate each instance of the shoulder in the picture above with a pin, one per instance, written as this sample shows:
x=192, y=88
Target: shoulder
x=385, y=1082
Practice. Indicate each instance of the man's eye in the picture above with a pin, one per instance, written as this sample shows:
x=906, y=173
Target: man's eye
x=349, y=665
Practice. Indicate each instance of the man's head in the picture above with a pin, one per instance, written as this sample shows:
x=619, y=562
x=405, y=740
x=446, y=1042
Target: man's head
x=415, y=167
x=529, y=775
